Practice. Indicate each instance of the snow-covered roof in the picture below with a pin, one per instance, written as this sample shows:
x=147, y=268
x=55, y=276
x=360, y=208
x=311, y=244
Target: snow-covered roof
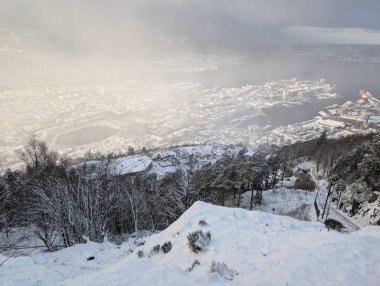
x=332, y=123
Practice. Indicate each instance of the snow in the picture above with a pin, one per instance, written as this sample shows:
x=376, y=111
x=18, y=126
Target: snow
x=305, y=165
x=19, y=236
x=246, y=248
x=163, y=162
x=332, y=123
x=375, y=118
x=160, y=170
x=370, y=213
x=120, y=166
x=130, y=164
x=163, y=154
x=282, y=201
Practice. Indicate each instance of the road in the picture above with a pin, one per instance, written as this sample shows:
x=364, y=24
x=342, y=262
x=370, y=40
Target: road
x=330, y=209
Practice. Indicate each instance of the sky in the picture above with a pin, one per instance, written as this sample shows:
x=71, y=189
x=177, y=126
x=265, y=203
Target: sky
x=234, y=23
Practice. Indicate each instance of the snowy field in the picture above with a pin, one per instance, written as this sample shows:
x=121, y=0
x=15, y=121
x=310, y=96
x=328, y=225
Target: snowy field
x=248, y=248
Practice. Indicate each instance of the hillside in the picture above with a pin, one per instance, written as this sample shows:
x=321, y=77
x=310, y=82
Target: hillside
x=349, y=169
x=60, y=201
x=256, y=249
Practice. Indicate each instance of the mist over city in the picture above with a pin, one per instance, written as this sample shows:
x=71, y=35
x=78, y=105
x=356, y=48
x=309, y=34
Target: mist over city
x=117, y=73
x=123, y=117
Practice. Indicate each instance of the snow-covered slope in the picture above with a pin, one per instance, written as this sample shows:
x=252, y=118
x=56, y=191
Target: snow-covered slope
x=283, y=201
x=256, y=248
x=166, y=161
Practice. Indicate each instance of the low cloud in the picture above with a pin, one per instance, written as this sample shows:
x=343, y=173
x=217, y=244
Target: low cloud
x=137, y=24
x=322, y=35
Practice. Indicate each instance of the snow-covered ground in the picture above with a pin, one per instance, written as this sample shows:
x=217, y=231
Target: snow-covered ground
x=130, y=164
x=167, y=161
x=248, y=248
x=283, y=201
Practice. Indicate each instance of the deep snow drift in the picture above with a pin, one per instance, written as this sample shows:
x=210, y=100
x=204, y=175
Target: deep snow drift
x=248, y=248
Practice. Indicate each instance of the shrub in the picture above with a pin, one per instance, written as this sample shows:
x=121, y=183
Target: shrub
x=220, y=269
x=140, y=253
x=333, y=224
x=202, y=222
x=140, y=243
x=196, y=262
x=304, y=182
x=300, y=213
x=155, y=249
x=198, y=240
x=166, y=247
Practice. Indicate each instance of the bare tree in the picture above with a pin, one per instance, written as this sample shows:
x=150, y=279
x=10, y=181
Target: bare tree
x=38, y=158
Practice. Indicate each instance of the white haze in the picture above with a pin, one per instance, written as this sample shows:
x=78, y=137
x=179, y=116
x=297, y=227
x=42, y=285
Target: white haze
x=134, y=24
x=74, y=57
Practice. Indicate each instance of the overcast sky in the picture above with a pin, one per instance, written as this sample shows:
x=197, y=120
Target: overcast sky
x=235, y=22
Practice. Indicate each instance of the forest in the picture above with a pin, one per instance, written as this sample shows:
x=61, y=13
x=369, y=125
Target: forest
x=65, y=203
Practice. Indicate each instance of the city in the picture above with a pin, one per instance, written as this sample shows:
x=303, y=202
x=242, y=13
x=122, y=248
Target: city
x=187, y=113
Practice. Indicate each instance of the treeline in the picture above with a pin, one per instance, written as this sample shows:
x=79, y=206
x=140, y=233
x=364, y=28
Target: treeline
x=359, y=168
x=64, y=203
x=325, y=152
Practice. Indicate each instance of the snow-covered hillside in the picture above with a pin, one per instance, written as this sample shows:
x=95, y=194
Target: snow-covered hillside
x=166, y=161
x=247, y=248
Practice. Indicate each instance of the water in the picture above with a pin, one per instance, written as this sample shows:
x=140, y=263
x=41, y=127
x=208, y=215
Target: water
x=348, y=77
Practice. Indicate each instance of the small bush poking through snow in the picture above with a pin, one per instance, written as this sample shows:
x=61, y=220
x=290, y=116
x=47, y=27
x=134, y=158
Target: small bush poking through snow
x=198, y=240
x=196, y=262
x=202, y=222
x=166, y=247
x=140, y=243
x=155, y=249
x=220, y=269
x=140, y=253
x=333, y=224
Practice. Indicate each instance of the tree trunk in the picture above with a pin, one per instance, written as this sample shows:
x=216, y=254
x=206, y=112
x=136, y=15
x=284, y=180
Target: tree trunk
x=251, y=185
